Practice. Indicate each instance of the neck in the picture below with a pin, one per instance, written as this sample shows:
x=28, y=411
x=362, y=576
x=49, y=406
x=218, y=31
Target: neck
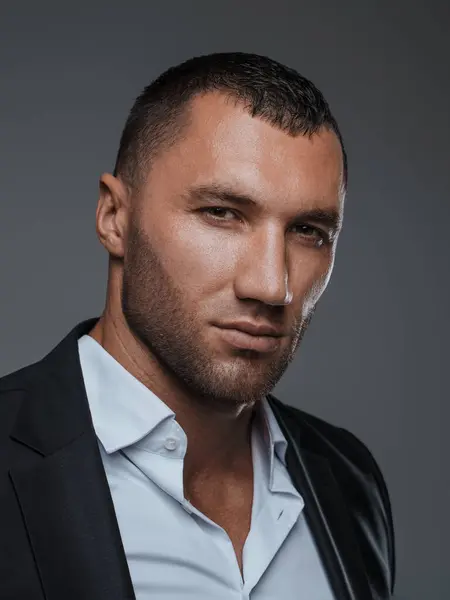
x=218, y=440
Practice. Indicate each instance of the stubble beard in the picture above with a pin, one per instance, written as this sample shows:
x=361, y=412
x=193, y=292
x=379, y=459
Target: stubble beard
x=154, y=309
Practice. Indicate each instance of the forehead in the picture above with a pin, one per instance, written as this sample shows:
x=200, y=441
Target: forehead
x=223, y=143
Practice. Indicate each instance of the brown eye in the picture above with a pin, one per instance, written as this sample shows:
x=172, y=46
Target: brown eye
x=218, y=212
x=311, y=233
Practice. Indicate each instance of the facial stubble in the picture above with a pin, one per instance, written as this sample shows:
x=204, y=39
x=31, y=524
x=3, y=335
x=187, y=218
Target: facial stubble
x=156, y=312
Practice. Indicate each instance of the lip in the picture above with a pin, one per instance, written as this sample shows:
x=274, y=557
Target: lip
x=255, y=329
x=246, y=341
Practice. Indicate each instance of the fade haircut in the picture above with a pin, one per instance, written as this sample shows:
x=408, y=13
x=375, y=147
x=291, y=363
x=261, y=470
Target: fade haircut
x=264, y=87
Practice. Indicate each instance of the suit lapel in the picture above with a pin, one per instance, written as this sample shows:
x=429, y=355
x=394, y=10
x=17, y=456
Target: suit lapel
x=62, y=487
x=326, y=513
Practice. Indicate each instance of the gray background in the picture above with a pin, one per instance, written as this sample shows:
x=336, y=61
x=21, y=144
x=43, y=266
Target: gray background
x=373, y=360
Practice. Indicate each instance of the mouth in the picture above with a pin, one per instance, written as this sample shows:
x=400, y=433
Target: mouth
x=246, y=341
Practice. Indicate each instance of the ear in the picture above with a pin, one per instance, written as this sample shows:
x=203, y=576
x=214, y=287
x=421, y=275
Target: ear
x=112, y=214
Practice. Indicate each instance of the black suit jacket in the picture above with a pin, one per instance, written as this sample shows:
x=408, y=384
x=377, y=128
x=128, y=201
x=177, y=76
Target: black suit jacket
x=59, y=537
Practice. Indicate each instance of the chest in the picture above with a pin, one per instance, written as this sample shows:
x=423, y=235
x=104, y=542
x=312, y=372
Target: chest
x=233, y=514
x=173, y=551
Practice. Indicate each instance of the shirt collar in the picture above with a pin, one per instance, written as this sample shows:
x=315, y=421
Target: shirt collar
x=124, y=411
x=273, y=436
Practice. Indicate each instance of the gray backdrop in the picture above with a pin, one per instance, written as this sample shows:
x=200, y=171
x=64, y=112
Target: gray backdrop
x=373, y=360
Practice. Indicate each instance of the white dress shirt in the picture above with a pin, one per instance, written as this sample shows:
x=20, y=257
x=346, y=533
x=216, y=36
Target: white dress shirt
x=175, y=552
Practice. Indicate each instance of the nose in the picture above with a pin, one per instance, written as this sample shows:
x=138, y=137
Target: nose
x=263, y=270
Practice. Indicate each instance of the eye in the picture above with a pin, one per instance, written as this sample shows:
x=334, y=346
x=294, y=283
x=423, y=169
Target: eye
x=313, y=234
x=218, y=212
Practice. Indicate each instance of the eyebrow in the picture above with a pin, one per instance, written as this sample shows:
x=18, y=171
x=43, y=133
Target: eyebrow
x=328, y=217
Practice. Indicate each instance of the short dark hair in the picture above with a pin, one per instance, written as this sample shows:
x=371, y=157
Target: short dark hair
x=265, y=87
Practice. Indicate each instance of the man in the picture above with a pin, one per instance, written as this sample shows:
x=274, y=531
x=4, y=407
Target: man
x=145, y=457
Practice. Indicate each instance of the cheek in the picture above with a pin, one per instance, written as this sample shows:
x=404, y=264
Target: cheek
x=311, y=280
x=315, y=292
x=195, y=256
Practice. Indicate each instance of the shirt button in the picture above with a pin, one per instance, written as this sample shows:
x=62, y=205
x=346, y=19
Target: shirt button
x=170, y=443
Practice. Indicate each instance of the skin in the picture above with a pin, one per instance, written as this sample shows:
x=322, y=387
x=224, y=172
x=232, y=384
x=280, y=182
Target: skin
x=180, y=263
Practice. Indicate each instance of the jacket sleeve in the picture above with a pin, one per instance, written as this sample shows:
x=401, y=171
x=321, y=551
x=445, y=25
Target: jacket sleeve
x=384, y=495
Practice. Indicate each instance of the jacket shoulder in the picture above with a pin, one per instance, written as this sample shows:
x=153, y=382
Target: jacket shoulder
x=12, y=389
x=329, y=440
x=19, y=379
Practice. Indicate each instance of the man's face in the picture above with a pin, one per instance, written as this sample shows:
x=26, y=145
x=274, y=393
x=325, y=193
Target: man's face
x=197, y=260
